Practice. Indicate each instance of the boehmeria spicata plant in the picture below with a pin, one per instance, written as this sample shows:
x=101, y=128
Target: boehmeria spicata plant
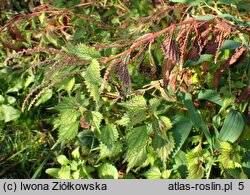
x=138, y=105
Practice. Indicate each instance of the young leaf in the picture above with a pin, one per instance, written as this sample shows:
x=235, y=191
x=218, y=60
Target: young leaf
x=64, y=172
x=137, y=108
x=137, y=117
x=76, y=153
x=195, y=171
x=8, y=113
x=230, y=157
x=53, y=172
x=153, y=173
x=67, y=84
x=44, y=97
x=62, y=160
x=93, y=79
x=107, y=171
x=154, y=103
x=232, y=127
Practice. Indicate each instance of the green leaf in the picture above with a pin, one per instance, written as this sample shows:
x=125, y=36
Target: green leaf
x=53, y=172
x=195, y=171
x=191, y=2
x=153, y=173
x=232, y=126
x=181, y=130
x=107, y=171
x=106, y=151
x=136, y=103
x=164, y=123
x=136, y=142
x=196, y=118
x=230, y=44
x=137, y=108
x=154, y=103
x=166, y=174
x=203, y=58
x=124, y=121
x=137, y=138
x=204, y=17
x=109, y=134
x=82, y=51
x=68, y=132
x=67, y=84
x=93, y=79
x=210, y=95
x=136, y=159
x=62, y=160
x=8, y=113
x=64, y=172
x=230, y=158
x=94, y=118
x=164, y=145
x=76, y=153
x=44, y=97
x=137, y=117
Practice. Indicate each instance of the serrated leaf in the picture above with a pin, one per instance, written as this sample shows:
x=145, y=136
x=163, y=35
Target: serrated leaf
x=68, y=132
x=137, y=117
x=154, y=103
x=181, y=130
x=137, y=138
x=153, y=173
x=106, y=151
x=94, y=118
x=109, y=134
x=44, y=97
x=229, y=157
x=166, y=174
x=136, y=142
x=107, y=171
x=67, y=84
x=82, y=51
x=135, y=159
x=62, y=160
x=165, y=123
x=67, y=104
x=136, y=103
x=163, y=145
x=8, y=113
x=93, y=79
x=232, y=126
x=195, y=171
x=124, y=121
